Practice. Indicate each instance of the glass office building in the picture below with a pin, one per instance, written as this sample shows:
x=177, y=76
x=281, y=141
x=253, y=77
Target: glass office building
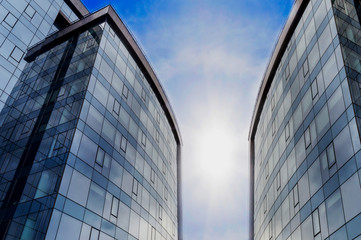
x=305, y=131
x=24, y=23
x=89, y=145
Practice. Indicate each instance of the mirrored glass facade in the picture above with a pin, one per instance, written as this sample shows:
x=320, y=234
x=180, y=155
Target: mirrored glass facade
x=305, y=134
x=24, y=23
x=88, y=145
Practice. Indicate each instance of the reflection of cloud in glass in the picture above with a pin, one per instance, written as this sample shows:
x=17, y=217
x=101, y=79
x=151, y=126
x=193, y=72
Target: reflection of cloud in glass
x=210, y=56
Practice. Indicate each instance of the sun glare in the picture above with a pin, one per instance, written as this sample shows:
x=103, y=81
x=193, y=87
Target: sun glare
x=216, y=152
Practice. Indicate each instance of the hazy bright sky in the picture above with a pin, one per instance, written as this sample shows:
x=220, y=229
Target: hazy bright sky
x=210, y=56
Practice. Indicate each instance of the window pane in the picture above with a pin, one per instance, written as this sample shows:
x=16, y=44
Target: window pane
x=334, y=211
x=96, y=199
x=314, y=175
x=351, y=197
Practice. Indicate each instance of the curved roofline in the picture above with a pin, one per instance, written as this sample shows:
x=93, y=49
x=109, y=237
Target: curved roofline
x=108, y=14
x=283, y=40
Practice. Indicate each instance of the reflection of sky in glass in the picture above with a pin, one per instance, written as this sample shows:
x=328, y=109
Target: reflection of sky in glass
x=210, y=57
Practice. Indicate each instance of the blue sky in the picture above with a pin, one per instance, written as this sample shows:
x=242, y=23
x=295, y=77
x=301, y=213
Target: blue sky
x=210, y=56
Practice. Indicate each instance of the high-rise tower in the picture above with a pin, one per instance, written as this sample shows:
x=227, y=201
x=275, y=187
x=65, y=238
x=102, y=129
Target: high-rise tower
x=89, y=145
x=305, y=132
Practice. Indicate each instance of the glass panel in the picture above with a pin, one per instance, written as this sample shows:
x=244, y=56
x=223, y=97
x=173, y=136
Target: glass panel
x=334, y=211
x=351, y=197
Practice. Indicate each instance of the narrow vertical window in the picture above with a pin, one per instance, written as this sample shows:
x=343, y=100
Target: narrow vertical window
x=94, y=234
x=307, y=138
x=144, y=139
x=287, y=72
x=316, y=222
x=123, y=144
x=314, y=89
x=100, y=157
x=287, y=131
x=265, y=205
x=157, y=136
x=152, y=176
x=305, y=68
x=115, y=206
x=125, y=91
x=270, y=229
x=295, y=196
x=158, y=118
x=165, y=194
x=173, y=228
x=273, y=102
x=274, y=127
x=144, y=96
x=163, y=168
x=267, y=170
x=135, y=186
x=278, y=181
x=330, y=155
x=116, y=107
x=153, y=233
x=160, y=211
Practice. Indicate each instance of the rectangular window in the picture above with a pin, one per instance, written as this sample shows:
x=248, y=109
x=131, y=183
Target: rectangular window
x=287, y=131
x=144, y=139
x=144, y=96
x=125, y=91
x=287, y=72
x=157, y=136
x=100, y=157
x=163, y=168
x=314, y=89
x=278, y=181
x=17, y=54
x=330, y=155
x=267, y=170
x=30, y=11
x=153, y=233
x=115, y=206
x=273, y=102
x=152, y=176
x=265, y=205
x=116, y=107
x=135, y=186
x=165, y=193
x=273, y=127
x=307, y=138
x=305, y=68
x=10, y=20
x=173, y=228
x=158, y=118
x=316, y=222
x=270, y=230
x=123, y=144
x=94, y=234
x=295, y=196
x=160, y=211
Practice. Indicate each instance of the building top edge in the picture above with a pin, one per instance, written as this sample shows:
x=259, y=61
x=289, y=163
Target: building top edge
x=282, y=42
x=108, y=14
x=78, y=7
